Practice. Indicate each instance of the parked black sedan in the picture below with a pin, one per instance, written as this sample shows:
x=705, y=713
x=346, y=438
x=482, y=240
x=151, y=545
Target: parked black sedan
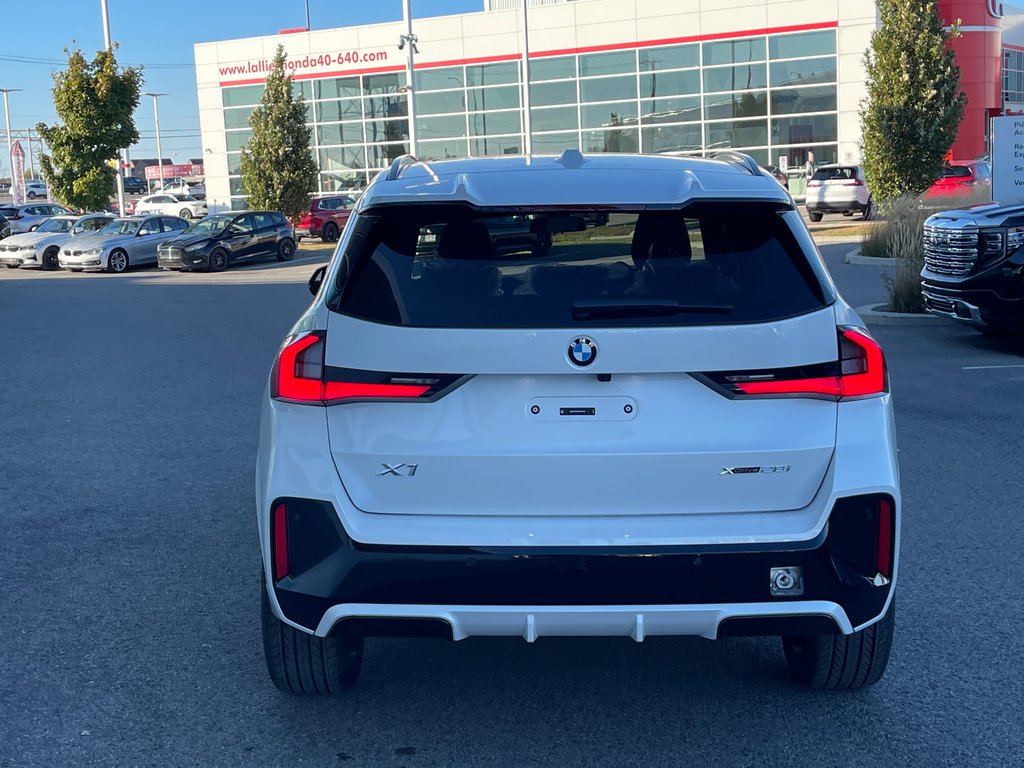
x=215, y=242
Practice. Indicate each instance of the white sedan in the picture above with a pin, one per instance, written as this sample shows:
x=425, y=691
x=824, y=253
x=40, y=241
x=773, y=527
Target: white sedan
x=185, y=206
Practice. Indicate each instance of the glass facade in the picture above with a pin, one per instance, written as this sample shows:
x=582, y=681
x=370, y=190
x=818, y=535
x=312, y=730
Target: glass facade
x=1013, y=76
x=765, y=95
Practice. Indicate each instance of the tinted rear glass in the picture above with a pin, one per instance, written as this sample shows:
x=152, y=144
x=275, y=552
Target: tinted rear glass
x=956, y=172
x=451, y=267
x=828, y=174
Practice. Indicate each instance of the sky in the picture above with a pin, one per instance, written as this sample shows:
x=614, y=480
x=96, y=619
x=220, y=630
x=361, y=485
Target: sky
x=160, y=36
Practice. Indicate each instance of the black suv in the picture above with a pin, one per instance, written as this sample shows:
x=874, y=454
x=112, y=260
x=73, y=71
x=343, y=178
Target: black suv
x=133, y=185
x=215, y=242
x=974, y=266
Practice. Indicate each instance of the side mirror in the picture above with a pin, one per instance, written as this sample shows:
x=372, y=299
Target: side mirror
x=317, y=279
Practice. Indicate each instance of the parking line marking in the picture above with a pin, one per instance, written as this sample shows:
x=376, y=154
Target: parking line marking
x=988, y=367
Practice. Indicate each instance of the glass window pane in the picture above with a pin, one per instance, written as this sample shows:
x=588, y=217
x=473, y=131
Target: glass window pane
x=482, y=123
x=302, y=88
x=734, y=51
x=441, y=127
x=682, y=109
x=234, y=162
x=342, y=158
x=604, y=115
x=439, y=79
x=388, y=83
x=735, y=134
x=614, y=63
x=788, y=101
x=555, y=68
x=242, y=96
x=669, y=57
x=802, y=44
x=553, y=94
x=493, y=98
x=381, y=155
x=616, y=140
x=386, y=130
x=239, y=204
x=608, y=89
x=729, y=105
x=441, y=150
x=555, y=143
x=343, y=133
x=489, y=147
x=493, y=74
x=805, y=72
x=735, y=78
x=336, y=87
x=237, y=118
x=804, y=130
x=386, y=106
x=435, y=103
x=669, y=83
x=237, y=139
x=343, y=181
x=333, y=111
x=557, y=119
x=309, y=113
x=235, y=185
x=672, y=138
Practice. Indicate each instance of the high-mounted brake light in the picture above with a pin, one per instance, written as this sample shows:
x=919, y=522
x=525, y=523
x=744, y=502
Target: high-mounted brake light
x=300, y=376
x=860, y=372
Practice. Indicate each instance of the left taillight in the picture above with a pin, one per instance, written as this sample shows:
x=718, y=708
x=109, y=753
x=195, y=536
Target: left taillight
x=300, y=376
x=859, y=372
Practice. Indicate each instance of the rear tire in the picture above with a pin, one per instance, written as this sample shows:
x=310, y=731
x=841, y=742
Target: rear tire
x=51, y=258
x=847, y=213
x=329, y=234
x=813, y=216
x=842, y=662
x=299, y=662
x=285, y=249
x=869, y=211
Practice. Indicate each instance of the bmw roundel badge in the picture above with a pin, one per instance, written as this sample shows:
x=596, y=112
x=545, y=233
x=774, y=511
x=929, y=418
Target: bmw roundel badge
x=582, y=351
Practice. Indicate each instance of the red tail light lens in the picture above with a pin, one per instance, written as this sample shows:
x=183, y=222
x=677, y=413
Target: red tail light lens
x=300, y=376
x=885, y=526
x=859, y=372
x=279, y=539
x=813, y=183
x=853, y=183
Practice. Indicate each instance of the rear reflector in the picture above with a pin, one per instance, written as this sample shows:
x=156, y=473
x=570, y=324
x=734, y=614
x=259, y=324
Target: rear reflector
x=885, y=538
x=300, y=376
x=859, y=372
x=280, y=541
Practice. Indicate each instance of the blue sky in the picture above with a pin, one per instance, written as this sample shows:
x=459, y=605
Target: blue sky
x=160, y=35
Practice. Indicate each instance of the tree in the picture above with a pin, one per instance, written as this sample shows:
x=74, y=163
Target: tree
x=279, y=171
x=95, y=102
x=910, y=117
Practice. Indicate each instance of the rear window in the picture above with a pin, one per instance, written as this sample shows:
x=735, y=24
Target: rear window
x=12, y=212
x=956, y=172
x=453, y=267
x=830, y=174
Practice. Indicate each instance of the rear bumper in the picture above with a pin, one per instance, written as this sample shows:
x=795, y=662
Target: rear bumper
x=835, y=206
x=628, y=591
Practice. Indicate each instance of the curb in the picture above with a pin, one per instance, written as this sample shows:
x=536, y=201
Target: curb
x=854, y=257
x=872, y=316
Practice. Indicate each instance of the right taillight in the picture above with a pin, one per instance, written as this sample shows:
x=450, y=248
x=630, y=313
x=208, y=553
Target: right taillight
x=300, y=376
x=859, y=372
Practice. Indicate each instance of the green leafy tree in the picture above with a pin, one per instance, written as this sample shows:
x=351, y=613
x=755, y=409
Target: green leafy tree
x=95, y=101
x=910, y=117
x=279, y=171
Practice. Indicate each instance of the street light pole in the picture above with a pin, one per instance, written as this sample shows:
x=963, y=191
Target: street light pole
x=408, y=40
x=7, y=122
x=527, y=117
x=307, y=15
x=120, y=159
x=156, y=120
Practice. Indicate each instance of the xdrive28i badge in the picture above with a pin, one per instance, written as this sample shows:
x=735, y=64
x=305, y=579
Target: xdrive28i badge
x=582, y=351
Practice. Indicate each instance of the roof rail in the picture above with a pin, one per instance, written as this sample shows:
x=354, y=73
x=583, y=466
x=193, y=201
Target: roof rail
x=740, y=160
x=399, y=164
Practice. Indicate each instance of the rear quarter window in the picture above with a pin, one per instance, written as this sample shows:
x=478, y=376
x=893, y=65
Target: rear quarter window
x=452, y=267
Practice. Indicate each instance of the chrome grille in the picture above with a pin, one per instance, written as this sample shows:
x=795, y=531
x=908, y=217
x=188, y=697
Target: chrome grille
x=950, y=251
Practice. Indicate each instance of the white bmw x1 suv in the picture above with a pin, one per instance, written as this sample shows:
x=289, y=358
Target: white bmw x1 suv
x=587, y=395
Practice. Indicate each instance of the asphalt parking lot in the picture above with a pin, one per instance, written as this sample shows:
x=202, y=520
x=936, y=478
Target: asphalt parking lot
x=131, y=632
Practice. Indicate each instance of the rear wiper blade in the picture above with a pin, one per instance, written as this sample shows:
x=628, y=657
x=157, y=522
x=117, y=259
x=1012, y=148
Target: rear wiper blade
x=587, y=310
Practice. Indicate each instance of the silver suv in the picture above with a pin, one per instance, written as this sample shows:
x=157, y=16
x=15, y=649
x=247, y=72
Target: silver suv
x=26, y=218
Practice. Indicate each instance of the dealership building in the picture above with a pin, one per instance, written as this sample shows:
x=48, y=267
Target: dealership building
x=782, y=80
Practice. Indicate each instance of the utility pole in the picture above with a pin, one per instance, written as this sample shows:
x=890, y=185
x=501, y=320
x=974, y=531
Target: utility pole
x=527, y=117
x=408, y=40
x=7, y=121
x=109, y=46
x=156, y=120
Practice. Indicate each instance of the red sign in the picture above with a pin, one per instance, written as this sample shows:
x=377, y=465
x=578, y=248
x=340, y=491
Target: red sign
x=174, y=171
x=18, y=173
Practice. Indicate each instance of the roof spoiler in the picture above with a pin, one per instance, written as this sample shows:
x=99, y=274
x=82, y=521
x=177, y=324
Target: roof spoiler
x=740, y=160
